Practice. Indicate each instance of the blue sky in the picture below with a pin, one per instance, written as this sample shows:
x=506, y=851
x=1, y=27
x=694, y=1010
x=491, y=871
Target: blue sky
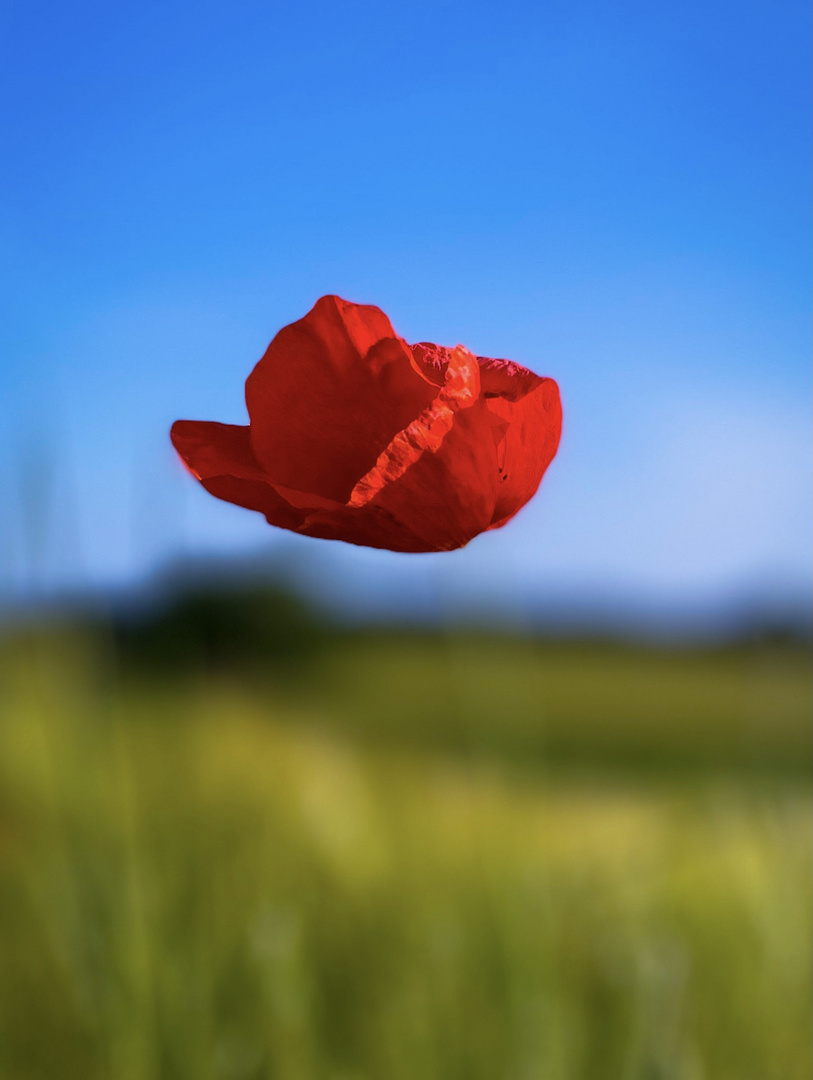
x=615, y=194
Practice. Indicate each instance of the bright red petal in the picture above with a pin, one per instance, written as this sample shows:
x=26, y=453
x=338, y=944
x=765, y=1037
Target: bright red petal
x=220, y=456
x=328, y=396
x=530, y=407
x=443, y=500
x=356, y=436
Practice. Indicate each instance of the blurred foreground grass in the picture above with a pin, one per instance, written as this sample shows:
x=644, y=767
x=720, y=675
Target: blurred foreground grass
x=428, y=858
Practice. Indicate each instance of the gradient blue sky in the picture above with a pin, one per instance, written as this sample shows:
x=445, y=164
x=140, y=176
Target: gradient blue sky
x=615, y=194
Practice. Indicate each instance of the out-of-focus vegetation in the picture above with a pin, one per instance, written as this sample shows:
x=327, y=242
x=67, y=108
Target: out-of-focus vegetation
x=327, y=856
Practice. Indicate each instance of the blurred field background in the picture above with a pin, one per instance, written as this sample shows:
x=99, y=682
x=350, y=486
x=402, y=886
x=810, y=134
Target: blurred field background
x=238, y=841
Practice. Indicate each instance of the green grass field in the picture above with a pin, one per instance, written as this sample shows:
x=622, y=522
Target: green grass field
x=416, y=858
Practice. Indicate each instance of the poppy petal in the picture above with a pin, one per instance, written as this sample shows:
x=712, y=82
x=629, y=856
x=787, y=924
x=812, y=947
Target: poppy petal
x=221, y=458
x=531, y=410
x=357, y=436
x=329, y=395
x=506, y=379
x=444, y=498
x=529, y=407
x=432, y=360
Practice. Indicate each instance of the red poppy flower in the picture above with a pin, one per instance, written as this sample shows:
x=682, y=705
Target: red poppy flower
x=355, y=435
